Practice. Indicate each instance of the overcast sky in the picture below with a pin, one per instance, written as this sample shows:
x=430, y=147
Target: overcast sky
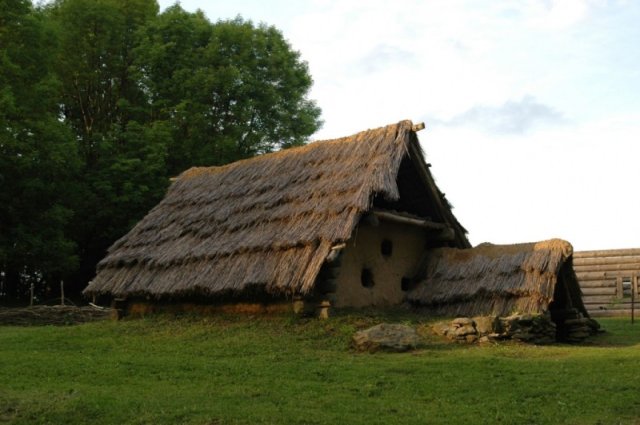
x=532, y=107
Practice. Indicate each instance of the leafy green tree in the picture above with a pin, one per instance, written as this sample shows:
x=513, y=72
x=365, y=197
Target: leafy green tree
x=101, y=101
x=38, y=158
x=122, y=149
x=229, y=90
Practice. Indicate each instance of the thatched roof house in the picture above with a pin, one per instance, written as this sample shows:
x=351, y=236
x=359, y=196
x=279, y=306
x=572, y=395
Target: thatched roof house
x=499, y=280
x=267, y=225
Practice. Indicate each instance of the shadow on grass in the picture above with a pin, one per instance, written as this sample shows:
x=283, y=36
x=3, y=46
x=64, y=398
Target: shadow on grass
x=616, y=332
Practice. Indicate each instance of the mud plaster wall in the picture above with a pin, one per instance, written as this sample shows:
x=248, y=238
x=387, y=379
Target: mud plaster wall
x=364, y=251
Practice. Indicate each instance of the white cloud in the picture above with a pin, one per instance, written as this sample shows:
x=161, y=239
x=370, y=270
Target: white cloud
x=512, y=117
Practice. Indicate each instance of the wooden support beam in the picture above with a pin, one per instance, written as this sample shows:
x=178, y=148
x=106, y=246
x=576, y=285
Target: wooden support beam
x=397, y=218
x=417, y=127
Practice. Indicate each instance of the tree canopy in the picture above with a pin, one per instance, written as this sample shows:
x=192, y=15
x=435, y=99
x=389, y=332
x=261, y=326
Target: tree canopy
x=101, y=101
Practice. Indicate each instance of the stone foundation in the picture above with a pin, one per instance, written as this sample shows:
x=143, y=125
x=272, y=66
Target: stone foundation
x=529, y=328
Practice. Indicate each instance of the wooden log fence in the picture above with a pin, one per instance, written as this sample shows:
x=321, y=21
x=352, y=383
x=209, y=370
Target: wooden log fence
x=609, y=280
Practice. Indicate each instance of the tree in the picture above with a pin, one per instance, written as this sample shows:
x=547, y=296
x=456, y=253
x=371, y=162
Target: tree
x=228, y=90
x=101, y=101
x=38, y=157
x=123, y=150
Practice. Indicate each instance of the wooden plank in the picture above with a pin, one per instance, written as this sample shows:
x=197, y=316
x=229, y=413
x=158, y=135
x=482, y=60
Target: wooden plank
x=583, y=276
x=609, y=313
x=616, y=305
x=631, y=268
x=599, y=299
x=607, y=253
x=610, y=283
x=599, y=291
x=603, y=261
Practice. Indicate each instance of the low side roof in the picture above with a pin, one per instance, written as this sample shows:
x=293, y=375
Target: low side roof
x=496, y=279
x=266, y=222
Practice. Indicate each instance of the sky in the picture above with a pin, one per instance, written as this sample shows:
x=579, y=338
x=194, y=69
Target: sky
x=531, y=107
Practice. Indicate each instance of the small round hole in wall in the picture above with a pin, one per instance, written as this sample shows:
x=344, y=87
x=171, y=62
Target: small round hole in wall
x=405, y=284
x=386, y=247
x=366, y=278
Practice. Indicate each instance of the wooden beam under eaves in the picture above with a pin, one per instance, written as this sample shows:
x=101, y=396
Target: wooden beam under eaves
x=397, y=218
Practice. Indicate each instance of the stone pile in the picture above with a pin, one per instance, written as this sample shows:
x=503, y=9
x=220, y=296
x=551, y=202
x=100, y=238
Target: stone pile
x=535, y=329
x=577, y=327
x=531, y=328
x=386, y=337
x=462, y=329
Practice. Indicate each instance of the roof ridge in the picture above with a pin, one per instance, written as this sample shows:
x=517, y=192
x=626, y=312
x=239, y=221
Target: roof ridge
x=200, y=170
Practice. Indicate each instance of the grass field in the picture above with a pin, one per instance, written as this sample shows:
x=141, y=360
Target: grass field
x=263, y=370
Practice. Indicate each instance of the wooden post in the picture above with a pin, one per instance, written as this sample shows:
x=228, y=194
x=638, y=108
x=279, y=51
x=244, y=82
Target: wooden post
x=298, y=305
x=619, y=288
x=61, y=292
x=634, y=291
x=31, y=289
x=323, y=310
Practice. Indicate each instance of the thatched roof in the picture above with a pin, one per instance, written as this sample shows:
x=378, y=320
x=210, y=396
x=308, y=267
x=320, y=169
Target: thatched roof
x=498, y=279
x=269, y=222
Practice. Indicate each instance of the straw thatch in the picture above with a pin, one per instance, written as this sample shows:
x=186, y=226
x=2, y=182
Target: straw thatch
x=499, y=280
x=268, y=223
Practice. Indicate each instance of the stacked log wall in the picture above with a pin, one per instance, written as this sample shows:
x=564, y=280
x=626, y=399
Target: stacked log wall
x=602, y=274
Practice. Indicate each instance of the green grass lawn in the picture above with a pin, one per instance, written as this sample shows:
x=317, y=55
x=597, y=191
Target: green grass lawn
x=263, y=370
